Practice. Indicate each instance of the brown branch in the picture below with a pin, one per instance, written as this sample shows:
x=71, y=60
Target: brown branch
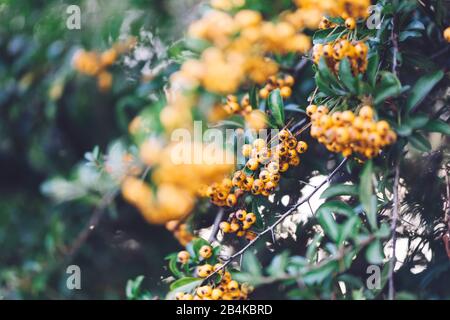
x=277, y=222
x=93, y=222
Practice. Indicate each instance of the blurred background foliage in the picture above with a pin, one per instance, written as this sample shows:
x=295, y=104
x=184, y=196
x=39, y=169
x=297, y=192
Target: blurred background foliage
x=49, y=117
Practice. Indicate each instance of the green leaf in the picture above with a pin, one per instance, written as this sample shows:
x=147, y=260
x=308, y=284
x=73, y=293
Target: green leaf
x=419, y=142
x=366, y=196
x=276, y=107
x=340, y=190
x=254, y=97
x=278, y=265
x=422, y=88
x=374, y=252
x=346, y=76
x=327, y=75
x=132, y=288
x=404, y=35
x=173, y=267
x=323, y=86
x=338, y=207
x=186, y=284
x=326, y=220
x=417, y=121
x=388, y=87
x=318, y=275
x=437, y=126
x=251, y=264
x=325, y=36
x=349, y=229
x=372, y=69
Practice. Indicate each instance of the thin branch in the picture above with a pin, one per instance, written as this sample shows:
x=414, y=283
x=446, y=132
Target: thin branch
x=394, y=40
x=93, y=222
x=394, y=233
x=215, y=228
x=277, y=222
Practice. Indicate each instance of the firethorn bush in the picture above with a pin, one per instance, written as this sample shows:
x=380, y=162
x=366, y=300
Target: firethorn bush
x=256, y=149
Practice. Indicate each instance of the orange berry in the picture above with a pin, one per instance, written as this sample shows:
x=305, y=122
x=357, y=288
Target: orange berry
x=183, y=257
x=366, y=113
x=231, y=200
x=240, y=215
x=302, y=147
x=286, y=92
x=311, y=109
x=205, y=251
x=350, y=23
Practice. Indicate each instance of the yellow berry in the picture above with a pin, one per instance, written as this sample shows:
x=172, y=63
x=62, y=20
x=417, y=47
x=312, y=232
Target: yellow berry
x=302, y=147
x=231, y=200
x=289, y=80
x=284, y=135
x=311, y=109
x=270, y=187
x=240, y=215
x=233, y=285
x=205, y=251
x=234, y=227
x=250, y=218
x=183, y=257
x=366, y=113
x=259, y=144
x=273, y=167
x=205, y=270
x=204, y=291
x=447, y=34
x=225, y=227
x=216, y=294
x=350, y=23
x=322, y=109
x=179, y=295
x=252, y=164
x=286, y=92
x=264, y=93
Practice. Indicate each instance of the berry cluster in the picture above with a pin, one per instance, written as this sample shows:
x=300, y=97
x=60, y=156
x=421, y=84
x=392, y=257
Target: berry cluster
x=184, y=256
x=226, y=289
x=347, y=133
x=266, y=164
x=284, y=84
x=222, y=194
x=239, y=222
x=335, y=52
x=262, y=170
x=325, y=23
x=95, y=64
x=180, y=232
x=232, y=105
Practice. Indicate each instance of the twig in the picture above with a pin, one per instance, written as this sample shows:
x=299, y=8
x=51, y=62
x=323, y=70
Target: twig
x=394, y=39
x=394, y=233
x=215, y=228
x=93, y=222
x=276, y=223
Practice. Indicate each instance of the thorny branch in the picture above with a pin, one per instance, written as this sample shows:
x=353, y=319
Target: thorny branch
x=277, y=222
